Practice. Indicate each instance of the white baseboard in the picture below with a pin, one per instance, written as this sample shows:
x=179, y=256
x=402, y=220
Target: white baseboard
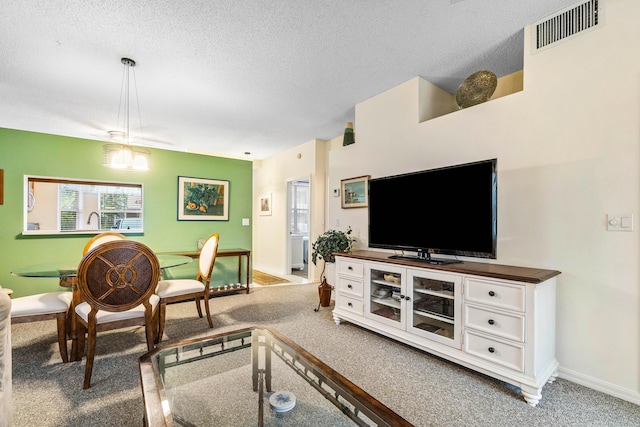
x=599, y=385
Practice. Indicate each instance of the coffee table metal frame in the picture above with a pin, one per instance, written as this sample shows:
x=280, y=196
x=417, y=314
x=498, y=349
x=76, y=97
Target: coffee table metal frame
x=352, y=401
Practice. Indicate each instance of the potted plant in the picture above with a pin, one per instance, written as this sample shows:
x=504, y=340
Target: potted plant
x=324, y=248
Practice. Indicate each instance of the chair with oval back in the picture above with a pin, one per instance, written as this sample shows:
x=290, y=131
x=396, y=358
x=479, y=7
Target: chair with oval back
x=117, y=280
x=98, y=239
x=175, y=290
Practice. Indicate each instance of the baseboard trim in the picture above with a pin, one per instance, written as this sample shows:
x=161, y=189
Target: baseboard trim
x=599, y=385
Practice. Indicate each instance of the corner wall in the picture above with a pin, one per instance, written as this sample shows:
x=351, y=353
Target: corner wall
x=271, y=176
x=568, y=154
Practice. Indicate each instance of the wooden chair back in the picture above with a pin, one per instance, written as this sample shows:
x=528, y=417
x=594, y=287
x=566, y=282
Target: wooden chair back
x=118, y=275
x=98, y=239
x=208, y=257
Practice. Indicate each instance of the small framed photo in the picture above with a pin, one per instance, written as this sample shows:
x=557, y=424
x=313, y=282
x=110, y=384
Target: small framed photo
x=201, y=199
x=265, y=204
x=355, y=192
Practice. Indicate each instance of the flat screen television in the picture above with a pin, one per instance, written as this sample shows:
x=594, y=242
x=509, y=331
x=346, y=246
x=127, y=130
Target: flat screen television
x=450, y=210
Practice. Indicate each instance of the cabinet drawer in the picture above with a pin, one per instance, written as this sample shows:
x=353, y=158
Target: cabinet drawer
x=508, y=355
x=353, y=305
x=350, y=268
x=495, y=294
x=500, y=324
x=350, y=286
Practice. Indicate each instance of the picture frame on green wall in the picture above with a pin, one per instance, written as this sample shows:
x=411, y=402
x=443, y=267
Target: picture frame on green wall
x=203, y=199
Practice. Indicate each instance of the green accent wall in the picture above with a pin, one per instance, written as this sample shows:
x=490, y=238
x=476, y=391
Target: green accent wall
x=29, y=153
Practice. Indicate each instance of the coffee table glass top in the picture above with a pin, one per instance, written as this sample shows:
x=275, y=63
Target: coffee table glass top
x=252, y=377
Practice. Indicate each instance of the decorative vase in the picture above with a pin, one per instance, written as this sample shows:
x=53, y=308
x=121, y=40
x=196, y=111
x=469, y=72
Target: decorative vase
x=324, y=292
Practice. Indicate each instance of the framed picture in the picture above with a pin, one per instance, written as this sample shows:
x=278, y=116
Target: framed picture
x=355, y=192
x=201, y=199
x=265, y=204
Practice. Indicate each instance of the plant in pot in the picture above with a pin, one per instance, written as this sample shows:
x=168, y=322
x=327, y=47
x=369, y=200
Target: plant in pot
x=324, y=248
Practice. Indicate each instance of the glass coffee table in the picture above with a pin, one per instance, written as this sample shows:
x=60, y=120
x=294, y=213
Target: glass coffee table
x=251, y=377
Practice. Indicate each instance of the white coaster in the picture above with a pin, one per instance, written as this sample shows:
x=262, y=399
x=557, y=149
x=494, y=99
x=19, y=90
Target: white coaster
x=282, y=401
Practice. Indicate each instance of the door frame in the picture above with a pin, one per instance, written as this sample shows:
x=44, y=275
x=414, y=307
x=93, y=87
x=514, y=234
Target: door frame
x=288, y=245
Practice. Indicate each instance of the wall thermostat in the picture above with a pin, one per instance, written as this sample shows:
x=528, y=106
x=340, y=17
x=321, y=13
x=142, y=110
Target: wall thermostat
x=336, y=192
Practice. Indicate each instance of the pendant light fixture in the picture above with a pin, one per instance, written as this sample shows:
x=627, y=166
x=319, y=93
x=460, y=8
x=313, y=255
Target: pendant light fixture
x=120, y=154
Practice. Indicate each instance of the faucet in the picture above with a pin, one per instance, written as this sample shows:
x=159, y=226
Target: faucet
x=91, y=215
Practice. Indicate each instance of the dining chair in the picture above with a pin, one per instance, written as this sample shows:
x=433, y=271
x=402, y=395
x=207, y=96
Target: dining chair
x=98, y=239
x=117, y=280
x=175, y=290
x=45, y=306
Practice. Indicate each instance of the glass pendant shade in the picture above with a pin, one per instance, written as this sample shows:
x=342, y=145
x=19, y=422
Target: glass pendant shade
x=122, y=156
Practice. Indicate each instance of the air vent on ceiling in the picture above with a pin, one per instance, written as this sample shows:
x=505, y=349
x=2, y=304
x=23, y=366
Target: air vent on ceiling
x=565, y=24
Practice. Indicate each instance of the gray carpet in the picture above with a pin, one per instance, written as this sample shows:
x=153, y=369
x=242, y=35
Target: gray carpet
x=423, y=389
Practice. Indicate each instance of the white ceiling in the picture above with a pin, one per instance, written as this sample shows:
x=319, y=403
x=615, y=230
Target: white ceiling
x=226, y=77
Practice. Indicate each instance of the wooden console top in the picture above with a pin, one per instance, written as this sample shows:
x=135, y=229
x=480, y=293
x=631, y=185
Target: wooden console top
x=497, y=271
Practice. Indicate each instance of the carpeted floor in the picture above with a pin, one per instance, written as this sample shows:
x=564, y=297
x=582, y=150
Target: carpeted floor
x=260, y=278
x=423, y=389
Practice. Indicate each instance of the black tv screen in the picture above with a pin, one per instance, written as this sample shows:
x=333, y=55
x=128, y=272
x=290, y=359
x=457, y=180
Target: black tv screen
x=450, y=210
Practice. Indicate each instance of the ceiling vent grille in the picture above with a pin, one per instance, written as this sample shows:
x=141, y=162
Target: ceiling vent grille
x=565, y=24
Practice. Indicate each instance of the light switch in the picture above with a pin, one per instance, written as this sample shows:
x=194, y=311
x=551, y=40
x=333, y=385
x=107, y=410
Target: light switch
x=620, y=222
x=245, y=221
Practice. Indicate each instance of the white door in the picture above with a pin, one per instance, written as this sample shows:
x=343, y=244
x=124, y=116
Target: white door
x=298, y=221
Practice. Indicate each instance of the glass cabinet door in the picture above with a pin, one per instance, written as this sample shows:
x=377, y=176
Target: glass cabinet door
x=435, y=306
x=385, y=299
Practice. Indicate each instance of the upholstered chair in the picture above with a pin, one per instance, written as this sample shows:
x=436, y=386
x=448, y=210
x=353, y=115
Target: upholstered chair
x=50, y=305
x=185, y=289
x=98, y=239
x=117, y=280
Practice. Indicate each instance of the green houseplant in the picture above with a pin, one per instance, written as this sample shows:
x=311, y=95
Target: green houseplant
x=324, y=248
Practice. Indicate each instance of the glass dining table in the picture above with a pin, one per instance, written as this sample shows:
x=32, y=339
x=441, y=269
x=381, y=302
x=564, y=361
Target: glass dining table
x=66, y=272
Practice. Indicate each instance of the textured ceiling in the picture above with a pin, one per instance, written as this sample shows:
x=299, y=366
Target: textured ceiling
x=226, y=77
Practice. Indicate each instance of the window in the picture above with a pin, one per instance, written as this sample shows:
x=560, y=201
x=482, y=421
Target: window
x=299, y=207
x=63, y=205
x=69, y=202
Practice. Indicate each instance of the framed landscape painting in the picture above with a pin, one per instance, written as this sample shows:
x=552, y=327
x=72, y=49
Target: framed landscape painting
x=201, y=199
x=355, y=192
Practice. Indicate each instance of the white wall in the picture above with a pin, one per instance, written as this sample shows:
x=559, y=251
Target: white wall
x=271, y=176
x=567, y=149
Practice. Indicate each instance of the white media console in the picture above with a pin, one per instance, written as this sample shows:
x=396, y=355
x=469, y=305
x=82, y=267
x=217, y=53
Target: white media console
x=495, y=319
